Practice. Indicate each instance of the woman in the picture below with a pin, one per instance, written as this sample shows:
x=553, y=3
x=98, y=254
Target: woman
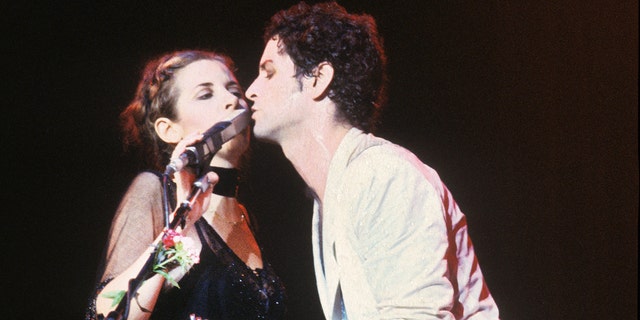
x=181, y=95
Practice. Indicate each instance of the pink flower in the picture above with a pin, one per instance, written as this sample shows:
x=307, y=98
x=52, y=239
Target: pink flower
x=168, y=240
x=190, y=248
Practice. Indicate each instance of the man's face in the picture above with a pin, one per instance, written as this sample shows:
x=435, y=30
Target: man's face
x=278, y=99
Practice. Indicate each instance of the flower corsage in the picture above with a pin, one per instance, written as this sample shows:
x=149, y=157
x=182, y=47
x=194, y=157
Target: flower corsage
x=174, y=251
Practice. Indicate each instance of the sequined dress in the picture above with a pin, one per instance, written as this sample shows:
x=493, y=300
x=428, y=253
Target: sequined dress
x=221, y=286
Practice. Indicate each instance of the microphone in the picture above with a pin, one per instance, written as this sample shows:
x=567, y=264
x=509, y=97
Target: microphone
x=201, y=153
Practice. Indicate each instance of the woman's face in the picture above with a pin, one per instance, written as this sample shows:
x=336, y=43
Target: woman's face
x=207, y=93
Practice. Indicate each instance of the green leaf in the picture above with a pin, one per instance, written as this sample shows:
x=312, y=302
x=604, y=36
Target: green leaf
x=168, y=277
x=115, y=295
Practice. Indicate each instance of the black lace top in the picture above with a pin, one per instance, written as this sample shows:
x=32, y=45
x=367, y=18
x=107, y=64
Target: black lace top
x=222, y=286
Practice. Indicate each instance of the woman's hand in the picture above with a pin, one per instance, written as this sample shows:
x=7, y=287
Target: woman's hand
x=185, y=178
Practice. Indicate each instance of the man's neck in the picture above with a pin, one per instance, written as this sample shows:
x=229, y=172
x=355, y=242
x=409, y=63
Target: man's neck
x=311, y=154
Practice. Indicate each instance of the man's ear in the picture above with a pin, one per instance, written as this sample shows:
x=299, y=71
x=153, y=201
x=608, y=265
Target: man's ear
x=322, y=77
x=167, y=130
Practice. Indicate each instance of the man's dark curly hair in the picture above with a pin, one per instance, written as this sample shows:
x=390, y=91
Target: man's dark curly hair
x=350, y=43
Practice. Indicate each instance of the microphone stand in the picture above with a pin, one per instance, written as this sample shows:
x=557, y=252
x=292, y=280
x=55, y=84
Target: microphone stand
x=122, y=310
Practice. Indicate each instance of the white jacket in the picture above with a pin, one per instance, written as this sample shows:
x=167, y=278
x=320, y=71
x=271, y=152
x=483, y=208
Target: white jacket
x=390, y=241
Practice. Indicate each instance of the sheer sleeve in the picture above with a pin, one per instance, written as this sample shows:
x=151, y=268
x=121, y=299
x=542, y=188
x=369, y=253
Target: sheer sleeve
x=138, y=219
x=137, y=222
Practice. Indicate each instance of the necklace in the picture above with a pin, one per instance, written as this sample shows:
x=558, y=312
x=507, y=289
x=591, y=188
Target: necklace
x=232, y=223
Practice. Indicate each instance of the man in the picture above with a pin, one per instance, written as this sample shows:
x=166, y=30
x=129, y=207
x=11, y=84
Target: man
x=389, y=241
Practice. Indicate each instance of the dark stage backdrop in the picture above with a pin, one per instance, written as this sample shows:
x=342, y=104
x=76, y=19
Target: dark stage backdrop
x=528, y=110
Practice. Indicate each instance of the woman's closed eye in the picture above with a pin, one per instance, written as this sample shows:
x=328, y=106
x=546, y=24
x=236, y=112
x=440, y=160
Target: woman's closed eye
x=236, y=91
x=205, y=95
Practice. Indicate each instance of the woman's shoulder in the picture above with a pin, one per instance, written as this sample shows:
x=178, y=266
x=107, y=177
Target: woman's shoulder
x=142, y=201
x=145, y=189
x=146, y=179
x=149, y=175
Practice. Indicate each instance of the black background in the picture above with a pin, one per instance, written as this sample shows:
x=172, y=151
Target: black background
x=528, y=110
